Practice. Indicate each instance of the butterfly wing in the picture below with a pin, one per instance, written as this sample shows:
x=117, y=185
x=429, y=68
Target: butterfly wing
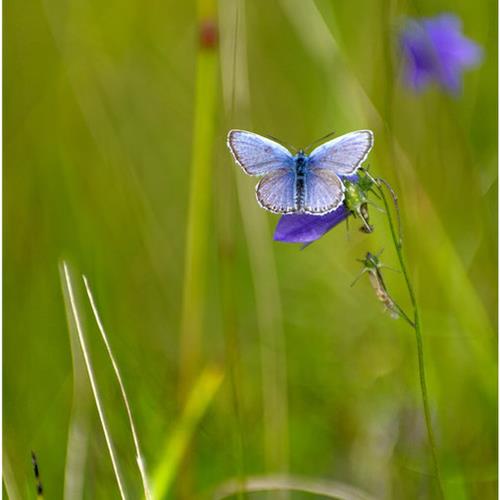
x=277, y=190
x=323, y=192
x=257, y=155
x=344, y=154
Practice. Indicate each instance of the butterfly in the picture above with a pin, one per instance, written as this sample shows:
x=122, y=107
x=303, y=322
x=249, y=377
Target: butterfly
x=300, y=183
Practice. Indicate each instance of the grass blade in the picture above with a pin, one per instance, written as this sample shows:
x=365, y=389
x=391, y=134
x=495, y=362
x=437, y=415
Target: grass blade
x=177, y=443
x=73, y=313
x=76, y=450
x=321, y=487
x=78, y=427
x=139, y=459
x=8, y=477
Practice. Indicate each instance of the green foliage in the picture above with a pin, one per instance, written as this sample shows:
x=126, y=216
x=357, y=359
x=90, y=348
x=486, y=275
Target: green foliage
x=99, y=120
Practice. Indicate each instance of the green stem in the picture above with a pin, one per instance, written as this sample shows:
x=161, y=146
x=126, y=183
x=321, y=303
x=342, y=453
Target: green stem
x=418, y=334
x=403, y=314
x=198, y=232
x=199, y=211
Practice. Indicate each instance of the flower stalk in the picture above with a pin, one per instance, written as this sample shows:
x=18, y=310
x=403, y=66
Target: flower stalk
x=398, y=245
x=199, y=210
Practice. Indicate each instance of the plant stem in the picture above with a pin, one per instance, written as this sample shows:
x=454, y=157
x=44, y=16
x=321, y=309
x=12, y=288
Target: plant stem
x=199, y=211
x=198, y=232
x=398, y=245
x=403, y=314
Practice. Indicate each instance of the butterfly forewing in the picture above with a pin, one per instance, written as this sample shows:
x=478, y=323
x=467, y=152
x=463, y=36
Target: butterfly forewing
x=344, y=154
x=257, y=155
x=323, y=192
x=276, y=192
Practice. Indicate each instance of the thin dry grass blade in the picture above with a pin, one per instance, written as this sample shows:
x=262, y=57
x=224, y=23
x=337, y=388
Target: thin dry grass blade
x=72, y=311
x=139, y=459
x=76, y=452
x=322, y=487
x=78, y=427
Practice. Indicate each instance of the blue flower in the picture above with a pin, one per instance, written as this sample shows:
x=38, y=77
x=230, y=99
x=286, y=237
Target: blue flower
x=305, y=228
x=434, y=49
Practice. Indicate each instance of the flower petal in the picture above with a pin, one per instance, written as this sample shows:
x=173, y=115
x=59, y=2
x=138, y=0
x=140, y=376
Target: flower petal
x=304, y=228
x=435, y=49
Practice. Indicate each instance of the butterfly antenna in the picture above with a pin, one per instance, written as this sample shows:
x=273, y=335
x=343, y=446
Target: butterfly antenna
x=317, y=141
x=293, y=149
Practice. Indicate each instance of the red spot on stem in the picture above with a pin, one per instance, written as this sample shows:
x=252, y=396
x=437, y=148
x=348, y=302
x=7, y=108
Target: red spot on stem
x=209, y=34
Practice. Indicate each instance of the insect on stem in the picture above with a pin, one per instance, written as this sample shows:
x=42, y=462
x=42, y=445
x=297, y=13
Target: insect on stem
x=372, y=266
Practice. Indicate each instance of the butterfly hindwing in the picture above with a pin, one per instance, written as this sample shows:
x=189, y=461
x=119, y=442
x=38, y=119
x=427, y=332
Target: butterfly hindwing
x=257, y=155
x=344, y=154
x=323, y=192
x=276, y=192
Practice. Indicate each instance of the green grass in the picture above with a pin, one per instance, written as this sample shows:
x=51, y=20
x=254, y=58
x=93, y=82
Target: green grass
x=115, y=160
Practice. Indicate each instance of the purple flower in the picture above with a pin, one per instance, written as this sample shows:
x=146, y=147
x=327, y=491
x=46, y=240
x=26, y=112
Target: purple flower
x=305, y=228
x=435, y=49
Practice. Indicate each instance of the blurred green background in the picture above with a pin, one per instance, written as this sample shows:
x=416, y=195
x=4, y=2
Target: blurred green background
x=100, y=109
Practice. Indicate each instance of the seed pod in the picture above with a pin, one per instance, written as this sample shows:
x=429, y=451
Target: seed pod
x=356, y=199
x=364, y=216
x=381, y=292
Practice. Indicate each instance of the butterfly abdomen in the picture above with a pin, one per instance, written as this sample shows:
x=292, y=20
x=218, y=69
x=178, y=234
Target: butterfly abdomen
x=299, y=193
x=300, y=180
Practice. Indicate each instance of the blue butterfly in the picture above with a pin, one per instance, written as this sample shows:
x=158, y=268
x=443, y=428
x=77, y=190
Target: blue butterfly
x=301, y=183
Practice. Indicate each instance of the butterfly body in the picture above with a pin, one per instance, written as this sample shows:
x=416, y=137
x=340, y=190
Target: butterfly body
x=300, y=183
x=301, y=166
